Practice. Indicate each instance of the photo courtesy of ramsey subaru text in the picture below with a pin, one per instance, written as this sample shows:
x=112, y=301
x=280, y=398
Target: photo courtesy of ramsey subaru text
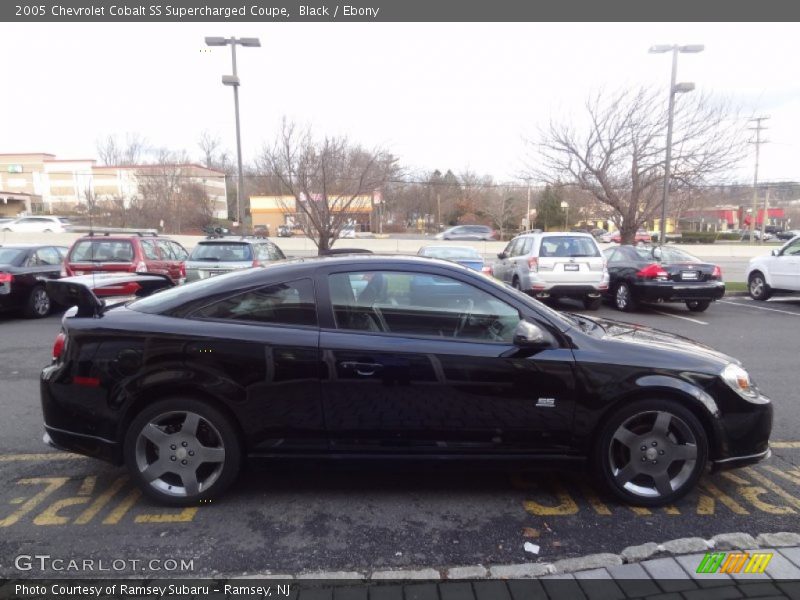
x=385, y=356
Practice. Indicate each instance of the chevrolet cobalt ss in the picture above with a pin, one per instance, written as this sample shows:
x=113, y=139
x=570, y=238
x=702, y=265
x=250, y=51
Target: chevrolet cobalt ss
x=383, y=356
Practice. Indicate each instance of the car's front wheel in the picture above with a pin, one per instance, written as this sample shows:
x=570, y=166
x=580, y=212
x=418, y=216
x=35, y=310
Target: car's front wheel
x=758, y=287
x=698, y=305
x=651, y=452
x=181, y=451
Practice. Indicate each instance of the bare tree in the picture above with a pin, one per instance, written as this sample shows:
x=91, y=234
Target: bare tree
x=618, y=153
x=503, y=208
x=131, y=151
x=326, y=178
x=214, y=155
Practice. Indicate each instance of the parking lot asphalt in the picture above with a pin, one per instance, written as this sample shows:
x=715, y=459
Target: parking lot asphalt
x=297, y=517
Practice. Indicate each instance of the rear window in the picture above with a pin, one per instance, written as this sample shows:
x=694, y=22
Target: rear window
x=227, y=252
x=9, y=256
x=102, y=251
x=451, y=253
x=63, y=219
x=568, y=247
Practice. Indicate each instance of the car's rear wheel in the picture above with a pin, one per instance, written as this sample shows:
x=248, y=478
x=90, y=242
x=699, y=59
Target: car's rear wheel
x=758, y=287
x=623, y=298
x=591, y=303
x=181, y=451
x=38, y=304
x=698, y=305
x=651, y=453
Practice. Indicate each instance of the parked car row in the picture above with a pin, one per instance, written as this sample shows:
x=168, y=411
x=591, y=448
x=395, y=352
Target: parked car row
x=37, y=224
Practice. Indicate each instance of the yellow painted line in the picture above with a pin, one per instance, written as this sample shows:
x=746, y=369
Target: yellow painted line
x=722, y=497
x=185, y=516
x=566, y=505
x=784, y=444
x=50, y=515
x=39, y=457
x=51, y=485
x=791, y=476
x=116, y=515
x=594, y=501
x=770, y=485
x=101, y=501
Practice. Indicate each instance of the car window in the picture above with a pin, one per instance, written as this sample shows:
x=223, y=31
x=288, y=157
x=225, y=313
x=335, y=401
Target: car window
x=275, y=252
x=509, y=247
x=670, y=255
x=612, y=255
x=290, y=303
x=564, y=246
x=419, y=304
x=223, y=252
x=149, y=250
x=46, y=257
x=166, y=250
x=101, y=251
x=516, y=249
x=178, y=251
x=793, y=249
x=9, y=256
x=527, y=244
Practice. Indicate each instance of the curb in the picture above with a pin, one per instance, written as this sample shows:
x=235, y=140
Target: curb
x=631, y=554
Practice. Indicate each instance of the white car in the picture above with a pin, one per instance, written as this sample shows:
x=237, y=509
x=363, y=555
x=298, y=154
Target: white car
x=348, y=231
x=38, y=224
x=776, y=273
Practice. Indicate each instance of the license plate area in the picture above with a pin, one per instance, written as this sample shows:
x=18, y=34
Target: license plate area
x=689, y=275
x=572, y=267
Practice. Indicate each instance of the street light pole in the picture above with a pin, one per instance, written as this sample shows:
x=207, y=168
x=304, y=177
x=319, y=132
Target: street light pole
x=528, y=212
x=673, y=89
x=233, y=81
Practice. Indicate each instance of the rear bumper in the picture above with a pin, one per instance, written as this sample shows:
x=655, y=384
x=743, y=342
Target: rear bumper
x=79, y=443
x=671, y=291
x=541, y=289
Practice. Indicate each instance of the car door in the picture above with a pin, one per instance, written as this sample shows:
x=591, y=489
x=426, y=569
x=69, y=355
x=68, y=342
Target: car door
x=171, y=262
x=422, y=361
x=153, y=258
x=519, y=258
x=40, y=265
x=502, y=268
x=785, y=268
x=266, y=341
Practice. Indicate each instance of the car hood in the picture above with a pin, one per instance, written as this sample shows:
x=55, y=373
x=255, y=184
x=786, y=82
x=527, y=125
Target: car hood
x=656, y=339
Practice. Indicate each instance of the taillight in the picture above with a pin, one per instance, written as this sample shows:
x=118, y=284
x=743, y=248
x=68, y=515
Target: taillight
x=58, y=346
x=653, y=271
x=183, y=270
x=64, y=271
x=6, y=277
x=717, y=274
x=255, y=262
x=141, y=267
x=533, y=264
x=486, y=270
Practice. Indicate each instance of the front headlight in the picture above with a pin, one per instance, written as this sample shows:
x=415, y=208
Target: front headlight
x=739, y=381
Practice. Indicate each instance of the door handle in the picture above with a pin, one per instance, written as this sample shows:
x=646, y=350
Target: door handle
x=361, y=368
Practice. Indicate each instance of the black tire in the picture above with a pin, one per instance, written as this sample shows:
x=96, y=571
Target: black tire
x=38, y=304
x=214, y=437
x=592, y=303
x=698, y=305
x=638, y=424
x=757, y=286
x=623, y=298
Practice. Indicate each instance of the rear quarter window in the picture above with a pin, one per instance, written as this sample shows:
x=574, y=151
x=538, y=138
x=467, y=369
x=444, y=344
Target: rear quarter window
x=101, y=251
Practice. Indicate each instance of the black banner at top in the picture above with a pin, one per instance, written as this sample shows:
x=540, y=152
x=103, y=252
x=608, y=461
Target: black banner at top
x=278, y=11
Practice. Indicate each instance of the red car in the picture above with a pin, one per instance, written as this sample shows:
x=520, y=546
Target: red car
x=641, y=236
x=126, y=253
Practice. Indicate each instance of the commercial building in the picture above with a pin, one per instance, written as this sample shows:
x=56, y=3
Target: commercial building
x=272, y=211
x=40, y=183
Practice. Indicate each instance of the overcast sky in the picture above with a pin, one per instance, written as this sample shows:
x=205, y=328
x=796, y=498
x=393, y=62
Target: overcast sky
x=440, y=96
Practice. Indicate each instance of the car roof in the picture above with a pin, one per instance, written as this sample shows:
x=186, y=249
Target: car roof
x=235, y=240
x=557, y=234
x=24, y=246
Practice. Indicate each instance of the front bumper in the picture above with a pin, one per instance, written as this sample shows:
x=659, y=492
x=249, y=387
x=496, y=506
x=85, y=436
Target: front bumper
x=675, y=291
x=734, y=462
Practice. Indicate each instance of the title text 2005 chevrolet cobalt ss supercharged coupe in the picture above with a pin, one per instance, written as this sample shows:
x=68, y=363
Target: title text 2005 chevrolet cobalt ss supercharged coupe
x=387, y=356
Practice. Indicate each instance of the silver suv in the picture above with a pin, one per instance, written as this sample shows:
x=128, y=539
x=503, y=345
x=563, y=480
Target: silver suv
x=555, y=265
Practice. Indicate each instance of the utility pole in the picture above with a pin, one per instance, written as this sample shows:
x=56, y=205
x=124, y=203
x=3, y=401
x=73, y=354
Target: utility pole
x=764, y=216
x=438, y=211
x=758, y=141
x=528, y=212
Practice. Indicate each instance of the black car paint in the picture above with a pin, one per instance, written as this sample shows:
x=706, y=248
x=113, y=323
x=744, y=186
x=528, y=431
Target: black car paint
x=26, y=276
x=285, y=389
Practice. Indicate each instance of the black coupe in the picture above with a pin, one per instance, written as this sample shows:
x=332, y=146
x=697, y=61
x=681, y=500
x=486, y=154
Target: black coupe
x=383, y=357
x=24, y=269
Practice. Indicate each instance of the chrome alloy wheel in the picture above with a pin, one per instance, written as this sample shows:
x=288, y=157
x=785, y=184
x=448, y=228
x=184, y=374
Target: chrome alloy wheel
x=652, y=454
x=41, y=302
x=180, y=453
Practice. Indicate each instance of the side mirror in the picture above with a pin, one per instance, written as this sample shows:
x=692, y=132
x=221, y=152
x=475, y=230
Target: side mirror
x=774, y=252
x=502, y=255
x=530, y=335
x=657, y=253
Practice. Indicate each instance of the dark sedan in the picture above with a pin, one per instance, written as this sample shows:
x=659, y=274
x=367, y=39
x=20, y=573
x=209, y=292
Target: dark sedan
x=23, y=272
x=661, y=274
x=429, y=359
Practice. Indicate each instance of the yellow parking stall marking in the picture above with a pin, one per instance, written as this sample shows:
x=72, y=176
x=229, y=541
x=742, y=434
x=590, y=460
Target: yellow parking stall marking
x=672, y=510
x=752, y=493
x=566, y=505
x=640, y=511
x=185, y=516
x=770, y=485
x=121, y=510
x=88, y=485
x=707, y=507
x=101, y=501
x=50, y=515
x=792, y=476
x=784, y=444
x=594, y=501
x=39, y=457
x=734, y=478
x=51, y=485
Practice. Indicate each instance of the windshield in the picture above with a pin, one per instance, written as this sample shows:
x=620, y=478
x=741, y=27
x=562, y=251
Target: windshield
x=102, y=251
x=222, y=252
x=9, y=255
x=450, y=253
